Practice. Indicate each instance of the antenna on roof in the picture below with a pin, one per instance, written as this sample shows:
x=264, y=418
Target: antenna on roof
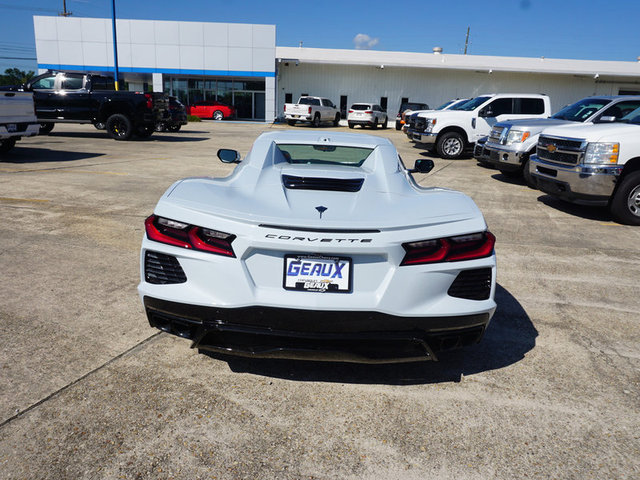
x=64, y=12
x=466, y=41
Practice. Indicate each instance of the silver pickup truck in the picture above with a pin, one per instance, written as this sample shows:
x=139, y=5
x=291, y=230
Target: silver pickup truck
x=17, y=118
x=511, y=142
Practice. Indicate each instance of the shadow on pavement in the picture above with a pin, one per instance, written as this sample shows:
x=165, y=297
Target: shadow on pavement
x=509, y=337
x=24, y=154
x=159, y=136
x=584, y=211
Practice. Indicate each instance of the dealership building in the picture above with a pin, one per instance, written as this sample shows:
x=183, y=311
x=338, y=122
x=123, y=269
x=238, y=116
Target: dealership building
x=240, y=64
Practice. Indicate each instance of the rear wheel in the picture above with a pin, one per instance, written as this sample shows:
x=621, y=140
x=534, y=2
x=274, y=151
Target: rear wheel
x=450, y=145
x=45, y=128
x=7, y=144
x=119, y=127
x=316, y=120
x=174, y=128
x=161, y=127
x=374, y=125
x=625, y=204
x=218, y=115
x=398, y=126
x=336, y=121
x=384, y=122
x=351, y=125
x=100, y=125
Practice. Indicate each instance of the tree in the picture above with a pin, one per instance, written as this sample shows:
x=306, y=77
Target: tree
x=15, y=76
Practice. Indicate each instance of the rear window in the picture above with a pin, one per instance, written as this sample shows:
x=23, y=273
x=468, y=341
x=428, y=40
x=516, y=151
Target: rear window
x=309, y=101
x=360, y=106
x=413, y=106
x=324, y=154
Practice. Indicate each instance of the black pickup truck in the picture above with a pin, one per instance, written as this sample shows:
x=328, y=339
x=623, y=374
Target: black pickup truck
x=85, y=98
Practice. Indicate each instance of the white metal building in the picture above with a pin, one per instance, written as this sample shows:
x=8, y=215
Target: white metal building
x=241, y=65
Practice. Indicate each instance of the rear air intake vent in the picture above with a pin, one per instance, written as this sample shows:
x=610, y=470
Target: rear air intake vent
x=315, y=183
x=162, y=269
x=472, y=284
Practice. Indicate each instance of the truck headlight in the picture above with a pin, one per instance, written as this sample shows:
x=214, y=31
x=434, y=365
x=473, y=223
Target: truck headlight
x=431, y=122
x=602, y=153
x=517, y=136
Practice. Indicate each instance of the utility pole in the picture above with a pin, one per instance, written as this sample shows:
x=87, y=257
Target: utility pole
x=115, y=42
x=64, y=12
x=466, y=41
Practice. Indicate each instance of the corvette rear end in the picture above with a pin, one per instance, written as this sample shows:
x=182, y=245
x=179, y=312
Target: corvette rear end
x=320, y=248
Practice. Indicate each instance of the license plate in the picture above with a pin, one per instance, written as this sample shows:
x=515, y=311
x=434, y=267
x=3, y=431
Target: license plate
x=12, y=127
x=316, y=273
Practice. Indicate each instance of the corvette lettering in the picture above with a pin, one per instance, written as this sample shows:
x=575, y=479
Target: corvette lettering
x=318, y=239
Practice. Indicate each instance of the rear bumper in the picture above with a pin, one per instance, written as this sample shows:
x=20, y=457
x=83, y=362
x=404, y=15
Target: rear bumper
x=345, y=336
x=22, y=129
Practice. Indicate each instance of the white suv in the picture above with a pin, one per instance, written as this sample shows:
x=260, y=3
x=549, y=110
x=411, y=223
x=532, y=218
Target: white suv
x=367, y=114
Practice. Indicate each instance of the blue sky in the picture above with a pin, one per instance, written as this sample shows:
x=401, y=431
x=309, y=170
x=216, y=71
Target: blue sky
x=586, y=29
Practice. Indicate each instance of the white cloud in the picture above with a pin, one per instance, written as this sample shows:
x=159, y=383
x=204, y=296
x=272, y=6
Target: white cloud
x=362, y=41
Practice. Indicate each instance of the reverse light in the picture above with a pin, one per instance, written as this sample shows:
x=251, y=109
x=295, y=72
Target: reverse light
x=602, y=153
x=179, y=234
x=450, y=249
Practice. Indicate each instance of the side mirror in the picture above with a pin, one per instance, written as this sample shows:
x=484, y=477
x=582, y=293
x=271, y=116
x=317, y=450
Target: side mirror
x=423, y=165
x=607, y=119
x=227, y=155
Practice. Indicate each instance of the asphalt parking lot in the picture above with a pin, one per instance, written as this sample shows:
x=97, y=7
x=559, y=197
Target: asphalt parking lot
x=89, y=390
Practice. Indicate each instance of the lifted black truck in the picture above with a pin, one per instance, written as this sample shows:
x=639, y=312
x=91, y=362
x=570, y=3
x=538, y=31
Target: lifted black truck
x=63, y=97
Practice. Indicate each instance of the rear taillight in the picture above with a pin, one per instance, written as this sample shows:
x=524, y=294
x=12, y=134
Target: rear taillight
x=368, y=111
x=285, y=107
x=350, y=111
x=149, y=98
x=309, y=109
x=450, y=249
x=183, y=235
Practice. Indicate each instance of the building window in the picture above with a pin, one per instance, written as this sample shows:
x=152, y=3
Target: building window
x=383, y=103
x=343, y=106
x=404, y=100
x=288, y=98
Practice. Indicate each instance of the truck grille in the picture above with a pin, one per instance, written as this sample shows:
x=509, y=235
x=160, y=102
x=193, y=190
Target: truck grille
x=420, y=124
x=494, y=136
x=560, y=150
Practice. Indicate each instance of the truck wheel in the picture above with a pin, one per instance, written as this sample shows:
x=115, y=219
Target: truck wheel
x=119, y=127
x=384, y=123
x=625, y=204
x=7, y=144
x=374, y=125
x=161, y=127
x=174, y=128
x=291, y=122
x=351, y=125
x=529, y=179
x=45, y=128
x=145, y=131
x=100, y=125
x=450, y=145
x=218, y=115
x=316, y=120
x=336, y=121
x=398, y=126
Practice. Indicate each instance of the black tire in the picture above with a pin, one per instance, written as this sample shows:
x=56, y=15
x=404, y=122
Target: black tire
x=7, y=144
x=217, y=115
x=351, y=125
x=174, y=128
x=161, y=127
x=119, y=127
x=450, y=145
x=145, y=131
x=100, y=125
x=291, y=122
x=45, y=128
x=384, y=123
x=625, y=204
x=398, y=126
x=316, y=120
x=374, y=125
x=336, y=121
x=529, y=179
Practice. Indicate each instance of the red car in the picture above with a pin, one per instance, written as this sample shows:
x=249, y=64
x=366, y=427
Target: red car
x=212, y=109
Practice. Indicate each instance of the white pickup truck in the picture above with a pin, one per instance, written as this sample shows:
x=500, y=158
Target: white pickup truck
x=312, y=109
x=451, y=132
x=17, y=118
x=593, y=164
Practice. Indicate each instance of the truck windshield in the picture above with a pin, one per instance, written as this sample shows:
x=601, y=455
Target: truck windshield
x=472, y=104
x=445, y=104
x=324, y=154
x=460, y=103
x=633, y=117
x=580, y=111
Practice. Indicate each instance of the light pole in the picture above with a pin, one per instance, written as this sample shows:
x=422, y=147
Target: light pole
x=115, y=41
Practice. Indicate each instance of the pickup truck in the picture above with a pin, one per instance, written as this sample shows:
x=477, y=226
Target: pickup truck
x=312, y=109
x=451, y=132
x=17, y=118
x=85, y=98
x=511, y=143
x=594, y=164
x=410, y=117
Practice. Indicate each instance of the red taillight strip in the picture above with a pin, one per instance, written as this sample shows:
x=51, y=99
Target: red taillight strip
x=449, y=250
x=194, y=241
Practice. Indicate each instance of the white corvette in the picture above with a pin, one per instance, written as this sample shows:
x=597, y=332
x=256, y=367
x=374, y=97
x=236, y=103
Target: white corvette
x=319, y=246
